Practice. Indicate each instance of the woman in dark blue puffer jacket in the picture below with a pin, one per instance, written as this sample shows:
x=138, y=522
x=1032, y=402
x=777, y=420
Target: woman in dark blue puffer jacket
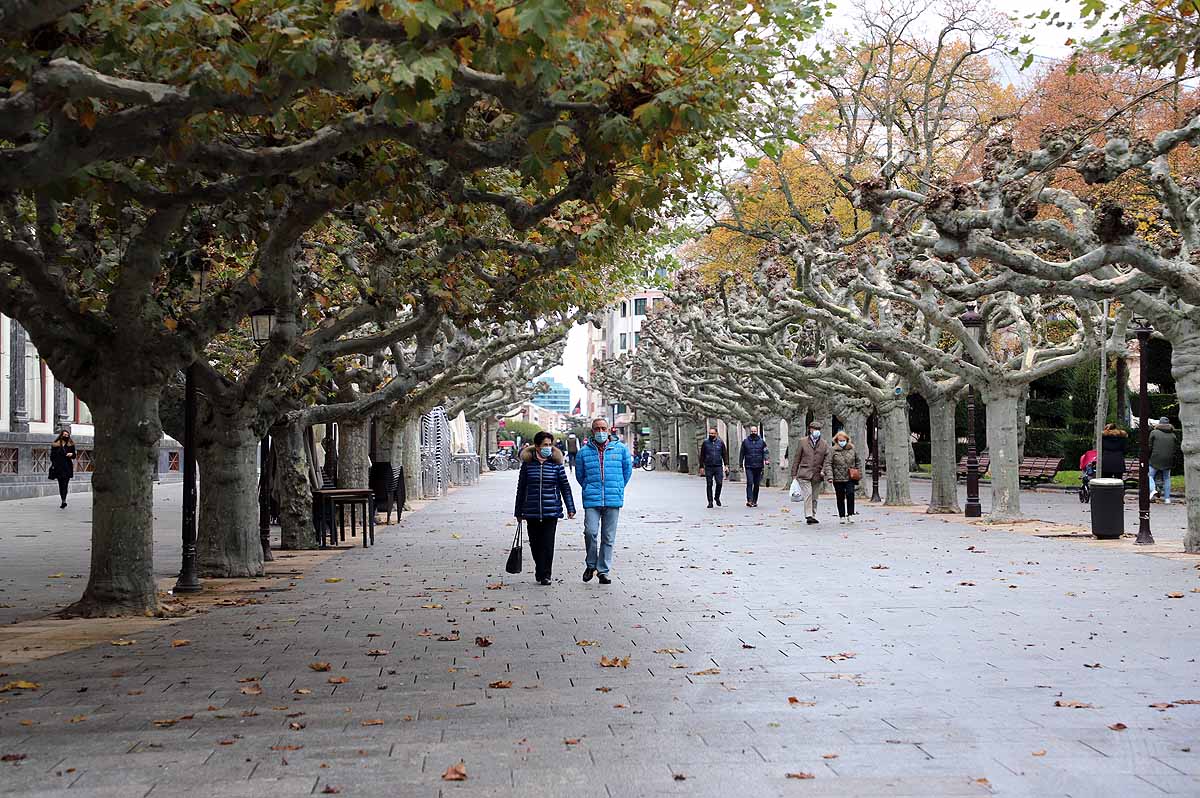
x=541, y=490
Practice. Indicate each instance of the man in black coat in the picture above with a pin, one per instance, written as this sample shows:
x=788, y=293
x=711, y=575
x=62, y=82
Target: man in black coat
x=754, y=458
x=714, y=462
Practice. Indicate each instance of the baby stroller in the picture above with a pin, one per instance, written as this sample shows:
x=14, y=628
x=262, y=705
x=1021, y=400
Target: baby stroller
x=1087, y=472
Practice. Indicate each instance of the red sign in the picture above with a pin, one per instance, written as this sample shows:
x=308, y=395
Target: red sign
x=503, y=423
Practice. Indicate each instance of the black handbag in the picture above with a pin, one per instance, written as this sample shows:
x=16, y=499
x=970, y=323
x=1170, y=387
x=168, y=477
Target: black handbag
x=53, y=473
x=513, y=566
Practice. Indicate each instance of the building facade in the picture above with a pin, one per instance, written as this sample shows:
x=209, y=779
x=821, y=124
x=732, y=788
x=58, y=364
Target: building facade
x=620, y=334
x=558, y=398
x=34, y=406
x=543, y=417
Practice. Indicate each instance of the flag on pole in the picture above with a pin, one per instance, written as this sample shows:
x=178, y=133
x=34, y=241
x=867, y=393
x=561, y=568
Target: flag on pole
x=578, y=411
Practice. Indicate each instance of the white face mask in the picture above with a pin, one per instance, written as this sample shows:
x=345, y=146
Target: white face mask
x=815, y=434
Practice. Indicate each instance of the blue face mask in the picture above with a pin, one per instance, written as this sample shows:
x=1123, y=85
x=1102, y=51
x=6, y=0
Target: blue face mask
x=547, y=451
x=600, y=437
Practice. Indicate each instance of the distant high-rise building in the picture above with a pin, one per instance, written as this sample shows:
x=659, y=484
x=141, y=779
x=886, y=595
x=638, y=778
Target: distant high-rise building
x=558, y=398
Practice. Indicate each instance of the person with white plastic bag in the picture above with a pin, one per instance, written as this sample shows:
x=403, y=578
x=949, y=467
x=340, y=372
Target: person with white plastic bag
x=812, y=466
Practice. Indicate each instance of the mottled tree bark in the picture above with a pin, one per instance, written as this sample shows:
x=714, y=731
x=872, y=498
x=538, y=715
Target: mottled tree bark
x=855, y=422
x=411, y=444
x=1185, y=368
x=121, y=581
x=943, y=497
x=295, y=489
x=895, y=429
x=1002, y=436
x=228, y=542
x=775, y=474
x=354, y=463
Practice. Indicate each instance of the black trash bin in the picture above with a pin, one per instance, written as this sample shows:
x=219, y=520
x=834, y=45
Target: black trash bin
x=1108, y=511
x=683, y=464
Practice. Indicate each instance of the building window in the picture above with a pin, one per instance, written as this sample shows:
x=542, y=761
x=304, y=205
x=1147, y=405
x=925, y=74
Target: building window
x=621, y=409
x=35, y=380
x=639, y=307
x=8, y=460
x=41, y=460
x=637, y=340
x=624, y=341
x=624, y=309
x=172, y=461
x=78, y=410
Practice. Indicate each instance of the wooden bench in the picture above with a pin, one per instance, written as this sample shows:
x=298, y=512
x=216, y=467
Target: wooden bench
x=1132, y=476
x=1037, y=470
x=985, y=462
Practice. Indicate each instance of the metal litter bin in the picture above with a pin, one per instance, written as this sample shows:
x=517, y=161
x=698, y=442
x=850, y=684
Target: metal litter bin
x=1108, y=511
x=683, y=464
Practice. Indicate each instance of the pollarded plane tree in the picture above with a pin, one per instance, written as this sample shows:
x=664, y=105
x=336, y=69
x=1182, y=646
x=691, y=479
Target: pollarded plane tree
x=1033, y=236
x=865, y=328
x=130, y=136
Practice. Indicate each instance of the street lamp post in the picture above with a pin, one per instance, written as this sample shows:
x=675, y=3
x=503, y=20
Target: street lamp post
x=973, y=321
x=262, y=324
x=1144, y=536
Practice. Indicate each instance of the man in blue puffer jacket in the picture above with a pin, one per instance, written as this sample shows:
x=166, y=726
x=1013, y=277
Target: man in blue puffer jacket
x=603, y=469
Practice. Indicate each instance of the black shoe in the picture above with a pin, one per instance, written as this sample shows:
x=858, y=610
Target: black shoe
x=710, y=505
x=604, y=580
x=749, y=504
x=544, y=581
x=588, y=573
x=64, y=504
x=812, y=520
x=754, y=505
x=718, y=502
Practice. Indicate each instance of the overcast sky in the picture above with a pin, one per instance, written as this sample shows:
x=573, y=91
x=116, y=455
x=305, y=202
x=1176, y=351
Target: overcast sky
x=1048, y=46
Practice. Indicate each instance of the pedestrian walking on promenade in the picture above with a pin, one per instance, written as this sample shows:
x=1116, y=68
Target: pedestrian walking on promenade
x=714, y=462
x=602, y=469
x=1163, y=446
x=62, y=463
x=812, y=467
x=846, y=466
x=542, y=488
x=572, y=449
x=754, y=457
x=1112, y=452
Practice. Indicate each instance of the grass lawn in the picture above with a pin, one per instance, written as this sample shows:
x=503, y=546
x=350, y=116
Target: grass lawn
x=1071, y=479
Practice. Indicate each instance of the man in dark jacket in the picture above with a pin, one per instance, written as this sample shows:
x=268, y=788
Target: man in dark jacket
x=714, y=462
x=1163, y=446
x=754, y=458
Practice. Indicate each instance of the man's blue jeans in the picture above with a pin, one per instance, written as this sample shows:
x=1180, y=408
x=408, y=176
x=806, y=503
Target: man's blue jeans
x=600, y=525
x=753, y=481
x=1163, y=474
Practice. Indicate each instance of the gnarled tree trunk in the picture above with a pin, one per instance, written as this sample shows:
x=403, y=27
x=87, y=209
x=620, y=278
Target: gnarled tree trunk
x=121, y=581
x=295, y=490
x=228, y=542
x=1003, y=402
x=354, y=462
x=775, y=475
x=893, y=421
x=943, y=497
x=1185, y=368
x=855, y=423
x=411, y=446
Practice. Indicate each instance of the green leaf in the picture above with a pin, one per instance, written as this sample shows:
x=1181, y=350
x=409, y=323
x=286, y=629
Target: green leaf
x=542, y=17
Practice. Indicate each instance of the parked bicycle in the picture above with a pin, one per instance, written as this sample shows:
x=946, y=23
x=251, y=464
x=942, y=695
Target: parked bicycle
x=644, y=460
x=501, y=461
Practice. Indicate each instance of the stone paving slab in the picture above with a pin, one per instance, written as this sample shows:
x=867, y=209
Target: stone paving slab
x=917, y=667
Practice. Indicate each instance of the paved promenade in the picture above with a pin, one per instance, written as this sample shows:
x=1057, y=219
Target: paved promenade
x=907, y=655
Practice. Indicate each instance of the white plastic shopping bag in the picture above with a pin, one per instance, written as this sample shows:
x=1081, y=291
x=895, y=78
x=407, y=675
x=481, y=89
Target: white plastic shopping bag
x=795, y=489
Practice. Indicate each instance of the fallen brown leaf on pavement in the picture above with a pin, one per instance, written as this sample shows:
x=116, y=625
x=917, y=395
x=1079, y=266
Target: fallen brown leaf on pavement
x=1072, y=704
x=302, y=691
x=879, y=567
x=123, y=642
x=496, y=586
x=431, y=606
x=679, y=777
x=669, y=651
x=450, y=638
x=320, y=666
x=247, y=679
x=297, y=725
x=603, y=689
x=372, y=722
x=12, y=757
x=456, y=772
x=801, y=776
x=252, y=689
x=483, y=642
x=332, y=579
x=1187, y=701
x=842, y=657
x=378, y=652
x=614, y=662
x=586, y=643
x=338, y=679
x=1039, y=753
x=829, y=756
x=78, y=719
x=796, y=702
x=707, y=672
x=19, y=684
x=1161, y=707
x=331, y=790
x=1118, y=726
x=1093, y=666
x=503, y=684
x=165, y=723
x=286, y=747
x=180, y=643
